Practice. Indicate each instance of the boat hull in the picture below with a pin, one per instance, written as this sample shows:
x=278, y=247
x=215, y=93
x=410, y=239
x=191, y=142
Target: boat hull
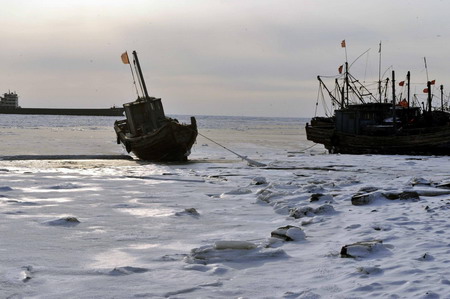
x=423, y=141
x=171, y=142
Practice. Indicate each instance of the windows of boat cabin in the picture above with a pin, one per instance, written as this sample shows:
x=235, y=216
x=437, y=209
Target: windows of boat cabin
x=367, y=116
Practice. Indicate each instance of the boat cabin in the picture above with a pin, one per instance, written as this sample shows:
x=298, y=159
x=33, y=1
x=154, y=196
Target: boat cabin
x=355, y=118
x=144, y=115
x=373, y=118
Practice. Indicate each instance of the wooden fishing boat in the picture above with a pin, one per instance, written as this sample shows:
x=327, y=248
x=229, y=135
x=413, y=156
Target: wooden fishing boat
x=376, y=126
x=148, y=132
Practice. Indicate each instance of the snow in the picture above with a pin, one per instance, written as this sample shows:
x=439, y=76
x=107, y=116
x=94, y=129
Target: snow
x=89, y=223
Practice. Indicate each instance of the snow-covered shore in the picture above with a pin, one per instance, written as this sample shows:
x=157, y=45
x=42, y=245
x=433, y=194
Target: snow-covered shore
x=217, y=228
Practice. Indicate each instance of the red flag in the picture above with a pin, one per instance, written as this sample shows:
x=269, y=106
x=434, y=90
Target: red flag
x=125, y=59
x=403, y=103
x=343, y=43
x=425, y=90
x=340, y=69
x=432, y=82
x=401, y=83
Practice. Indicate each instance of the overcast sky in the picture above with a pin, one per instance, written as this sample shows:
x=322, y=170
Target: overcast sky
x=213, y=57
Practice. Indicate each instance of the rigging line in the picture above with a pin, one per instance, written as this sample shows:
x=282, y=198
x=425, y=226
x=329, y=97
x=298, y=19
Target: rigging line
x=386, y=71
x=320, y=95
x=358, y=94
x=250, y=161
x=324, y=104
x=139, y=79
x=365, y=70
x=310, y=146
x=358, y=58
x=134, y=80
x=317, y=100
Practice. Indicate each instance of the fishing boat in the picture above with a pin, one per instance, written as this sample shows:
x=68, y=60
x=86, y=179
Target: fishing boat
x=364, y=123
x=147, y=131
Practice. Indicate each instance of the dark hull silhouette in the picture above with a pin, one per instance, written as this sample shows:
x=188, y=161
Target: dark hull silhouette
x=171, y=142
x=420, y=141
x=147, y=132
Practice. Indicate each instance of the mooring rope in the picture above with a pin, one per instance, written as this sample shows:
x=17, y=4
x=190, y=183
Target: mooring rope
x=309, y=147
x=250, y=161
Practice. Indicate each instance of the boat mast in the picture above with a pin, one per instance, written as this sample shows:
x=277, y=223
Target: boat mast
x=345, y=86
x=379, y=73
x=429, y=96
x=386, y=90
x=141, y=76
x=346, y=79
x=408, y=80
x=393, y=100
x=442, y=97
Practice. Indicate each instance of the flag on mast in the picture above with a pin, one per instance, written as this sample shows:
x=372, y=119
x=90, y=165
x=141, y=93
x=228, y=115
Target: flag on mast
x=343, y=43
x=125, y=59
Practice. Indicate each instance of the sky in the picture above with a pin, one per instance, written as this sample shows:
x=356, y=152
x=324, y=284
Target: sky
x=214, y=57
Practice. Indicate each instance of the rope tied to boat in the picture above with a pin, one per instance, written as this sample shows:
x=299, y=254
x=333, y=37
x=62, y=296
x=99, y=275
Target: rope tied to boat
x=249, y=161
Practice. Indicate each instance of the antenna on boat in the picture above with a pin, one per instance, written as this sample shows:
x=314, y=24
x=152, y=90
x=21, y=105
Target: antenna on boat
x=126, y=60
x=141, y=76
x=442, y=97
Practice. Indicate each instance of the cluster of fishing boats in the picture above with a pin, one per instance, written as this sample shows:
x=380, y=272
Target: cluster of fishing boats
x=368, y=122
x=362, y=121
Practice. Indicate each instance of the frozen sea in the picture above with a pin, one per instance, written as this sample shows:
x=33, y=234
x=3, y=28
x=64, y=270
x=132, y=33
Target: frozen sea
x=79, y=218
